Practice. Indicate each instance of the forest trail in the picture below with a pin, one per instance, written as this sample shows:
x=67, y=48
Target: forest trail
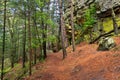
x=86, y=63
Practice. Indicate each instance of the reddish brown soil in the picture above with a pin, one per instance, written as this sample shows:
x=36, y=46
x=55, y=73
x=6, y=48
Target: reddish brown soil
x=86, y=63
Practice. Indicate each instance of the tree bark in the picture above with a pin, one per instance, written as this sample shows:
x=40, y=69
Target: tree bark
x=115, y=25
x=29, y=40
x=44, y=28
x=72, y=25
x=62, y=30
x=3, y=46
x=44, y=36
x=35, y=36
x=24, y=42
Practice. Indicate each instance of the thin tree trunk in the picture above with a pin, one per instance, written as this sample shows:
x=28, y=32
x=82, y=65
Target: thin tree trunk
x=62, y=30
x=29, y=40
x=72, y=25
x=24, y=43
x=44, y=36
x=3, y=49
x=44, y=27
x=35, y=37
x=115, y=26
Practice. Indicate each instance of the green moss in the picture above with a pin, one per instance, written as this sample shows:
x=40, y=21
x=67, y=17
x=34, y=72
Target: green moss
x=108, y=24
x=118, y=21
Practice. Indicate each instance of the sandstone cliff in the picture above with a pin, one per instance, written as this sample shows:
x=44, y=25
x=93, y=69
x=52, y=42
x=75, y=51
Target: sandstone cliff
x=103, y=7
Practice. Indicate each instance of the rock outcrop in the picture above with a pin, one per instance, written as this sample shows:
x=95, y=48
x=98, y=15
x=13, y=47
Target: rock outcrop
x=103, y=7
x=103, y=10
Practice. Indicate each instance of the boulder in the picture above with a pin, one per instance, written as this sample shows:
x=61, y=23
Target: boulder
x=106, y=43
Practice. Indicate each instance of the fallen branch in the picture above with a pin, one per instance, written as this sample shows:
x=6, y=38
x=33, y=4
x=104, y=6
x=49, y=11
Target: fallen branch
x=102, y=36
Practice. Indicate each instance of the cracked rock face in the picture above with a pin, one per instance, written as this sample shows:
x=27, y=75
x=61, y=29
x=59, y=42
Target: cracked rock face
x=103, y=5
x=107, y=4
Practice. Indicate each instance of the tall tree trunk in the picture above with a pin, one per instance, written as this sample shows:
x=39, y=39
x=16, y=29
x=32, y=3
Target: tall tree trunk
x=72, y=25
x=35, y=36
x=3, y=46
x=24, y=42
x=44, y=27
x=62, y=29
x=44, y=36
x=115, y=25
x=29, y=40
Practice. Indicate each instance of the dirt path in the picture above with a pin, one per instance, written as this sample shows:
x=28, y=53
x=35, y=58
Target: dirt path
x=86, y=63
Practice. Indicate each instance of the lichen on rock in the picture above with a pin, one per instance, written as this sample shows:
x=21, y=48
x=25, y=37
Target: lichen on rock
x=106, y=43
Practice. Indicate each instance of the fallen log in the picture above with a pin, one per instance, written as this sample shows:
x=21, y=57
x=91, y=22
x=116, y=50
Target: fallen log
x=102, y=36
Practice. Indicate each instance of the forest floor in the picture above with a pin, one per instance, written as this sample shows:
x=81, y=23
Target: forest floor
x=86, y=63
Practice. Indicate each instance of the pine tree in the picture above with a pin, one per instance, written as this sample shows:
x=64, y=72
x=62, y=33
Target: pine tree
x=72, y=25
x=3, y=46
x=62, y=26
x=29, y=38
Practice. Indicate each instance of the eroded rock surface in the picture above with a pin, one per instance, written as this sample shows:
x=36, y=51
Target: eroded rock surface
x=102, y=5
x=106, y=43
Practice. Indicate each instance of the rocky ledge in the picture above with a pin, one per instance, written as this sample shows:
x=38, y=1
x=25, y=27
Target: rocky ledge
x=103, y=7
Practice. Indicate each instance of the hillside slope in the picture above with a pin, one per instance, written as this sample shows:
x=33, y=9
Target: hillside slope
x=86, y=63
